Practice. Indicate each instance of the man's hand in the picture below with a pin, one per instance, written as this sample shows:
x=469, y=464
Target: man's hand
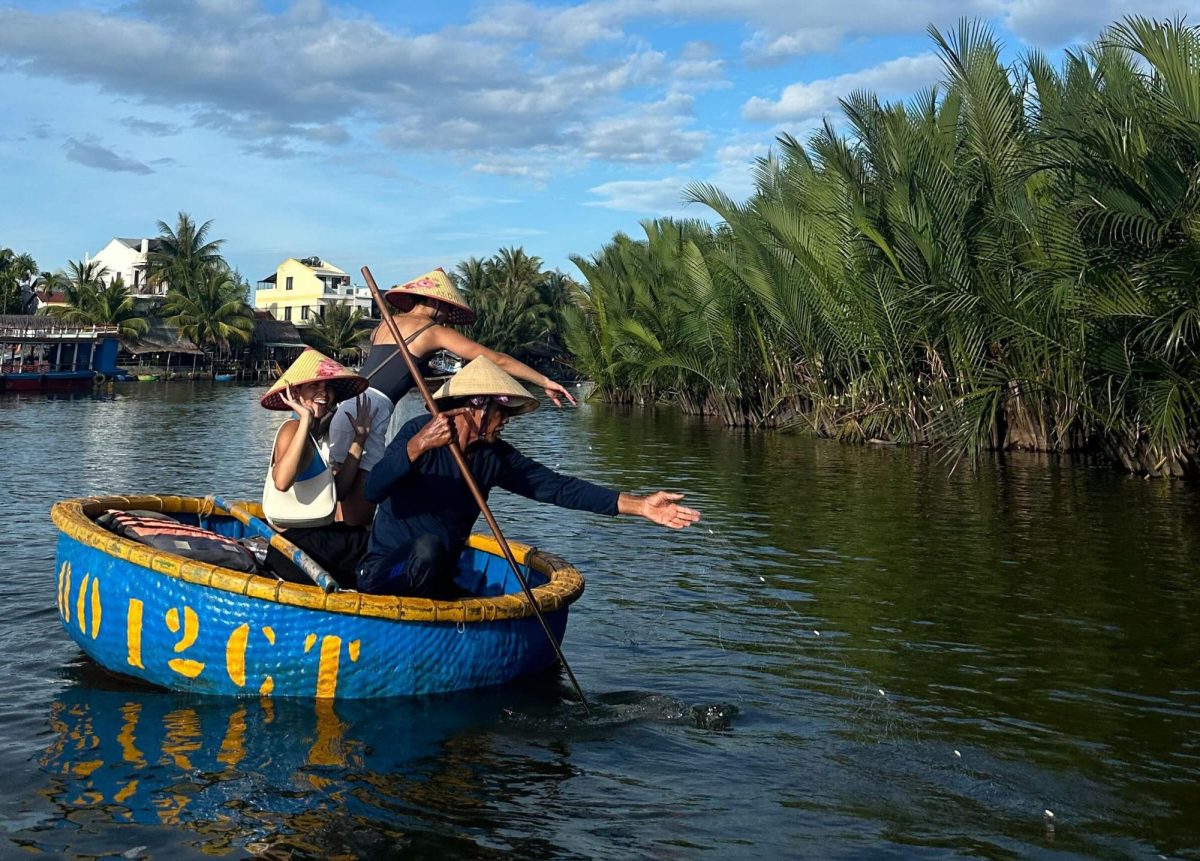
x=437, y=433
x=661, y=508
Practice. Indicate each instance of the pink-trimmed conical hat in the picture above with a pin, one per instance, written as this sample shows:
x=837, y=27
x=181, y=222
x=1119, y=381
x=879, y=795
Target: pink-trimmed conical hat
x=435, y=285
x=310, y=366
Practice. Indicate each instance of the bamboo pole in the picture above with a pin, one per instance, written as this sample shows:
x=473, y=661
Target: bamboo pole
x=299, y=558
x=469, y=478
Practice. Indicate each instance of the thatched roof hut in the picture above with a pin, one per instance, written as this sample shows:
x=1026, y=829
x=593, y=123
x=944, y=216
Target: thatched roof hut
x=161, y=338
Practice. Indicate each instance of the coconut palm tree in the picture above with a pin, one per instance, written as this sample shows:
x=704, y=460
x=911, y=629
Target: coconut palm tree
x=338, y=331
x=212, y=312
x=15, y=272
x=1006, y=261
x=94, y=303
x=79, y=285
x=471, y=275
x=183, y=254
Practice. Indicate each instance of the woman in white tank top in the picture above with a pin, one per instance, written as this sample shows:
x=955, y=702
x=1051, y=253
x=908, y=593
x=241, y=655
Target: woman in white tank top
x=303, y=484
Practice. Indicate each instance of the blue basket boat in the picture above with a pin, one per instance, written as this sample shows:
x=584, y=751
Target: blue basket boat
x=188, y=625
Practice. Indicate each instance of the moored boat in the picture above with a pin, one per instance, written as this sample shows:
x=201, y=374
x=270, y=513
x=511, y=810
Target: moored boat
x=189, y=625
x=222, y=378
x=45, y=354
x=147, y=378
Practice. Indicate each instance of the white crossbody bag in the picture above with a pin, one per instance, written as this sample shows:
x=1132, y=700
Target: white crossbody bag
x=308, y=502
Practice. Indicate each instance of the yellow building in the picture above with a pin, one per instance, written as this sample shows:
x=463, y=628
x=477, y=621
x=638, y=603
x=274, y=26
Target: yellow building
x=301, y=289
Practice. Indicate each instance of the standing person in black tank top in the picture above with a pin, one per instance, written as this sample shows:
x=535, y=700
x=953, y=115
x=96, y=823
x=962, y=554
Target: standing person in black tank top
x=426, y=308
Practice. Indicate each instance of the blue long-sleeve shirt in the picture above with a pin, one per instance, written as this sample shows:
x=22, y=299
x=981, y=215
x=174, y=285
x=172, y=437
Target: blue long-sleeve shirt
x=429, y=496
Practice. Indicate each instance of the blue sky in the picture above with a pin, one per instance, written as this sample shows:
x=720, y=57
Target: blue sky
x=407, y=138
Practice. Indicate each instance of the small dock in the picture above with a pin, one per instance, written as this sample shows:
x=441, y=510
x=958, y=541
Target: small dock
x=40, y=353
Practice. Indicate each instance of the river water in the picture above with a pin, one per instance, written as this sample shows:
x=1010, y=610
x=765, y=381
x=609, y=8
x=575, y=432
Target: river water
x=1000, y=660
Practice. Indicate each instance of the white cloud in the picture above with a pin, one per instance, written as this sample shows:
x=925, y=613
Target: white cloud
x=302, y=76
x=806, y=100
x=1050, y=23
x=698, y=63
x=766, y=46
x=734, y=163
x=649, y=134
x=652, y=197
x=537, y=165
x=775, y=28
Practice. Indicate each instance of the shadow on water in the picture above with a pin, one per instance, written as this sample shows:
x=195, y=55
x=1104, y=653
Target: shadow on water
x=127, y=765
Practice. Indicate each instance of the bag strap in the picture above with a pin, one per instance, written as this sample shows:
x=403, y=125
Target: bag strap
x=312, y=439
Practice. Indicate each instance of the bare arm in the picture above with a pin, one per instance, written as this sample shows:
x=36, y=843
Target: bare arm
x=444, y=338
x=346, y=472
x=289, y=451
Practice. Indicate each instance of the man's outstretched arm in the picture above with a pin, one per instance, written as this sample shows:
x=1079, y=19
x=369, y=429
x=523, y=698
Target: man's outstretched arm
x=662, y=508
x=529, y=478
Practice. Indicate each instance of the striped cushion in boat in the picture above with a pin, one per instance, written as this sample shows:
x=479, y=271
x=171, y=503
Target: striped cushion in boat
x=167, y=533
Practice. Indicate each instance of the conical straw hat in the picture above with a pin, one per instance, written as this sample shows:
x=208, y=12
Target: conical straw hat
x=310, y=366
x=438, y=286
x=482, y=377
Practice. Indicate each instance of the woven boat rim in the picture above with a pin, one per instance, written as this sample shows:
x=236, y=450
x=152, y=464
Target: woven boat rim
x=73, y=517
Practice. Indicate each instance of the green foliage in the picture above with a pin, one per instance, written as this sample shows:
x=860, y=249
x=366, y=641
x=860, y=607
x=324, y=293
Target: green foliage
x=183, y=254
x=1007, y=261
x=16, y=270
x=212, y=310
x=206, y=300
x=91, y=302
x=338, y=331
x=516, y=303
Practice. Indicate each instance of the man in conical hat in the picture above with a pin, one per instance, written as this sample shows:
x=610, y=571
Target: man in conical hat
x=427, y=309
x=425, y=509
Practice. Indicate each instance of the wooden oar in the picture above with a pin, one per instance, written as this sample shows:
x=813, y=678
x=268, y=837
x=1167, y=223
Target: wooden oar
x=298, y=557
x=469, y=478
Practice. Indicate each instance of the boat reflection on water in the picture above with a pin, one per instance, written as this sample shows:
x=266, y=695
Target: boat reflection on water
x=306, y=778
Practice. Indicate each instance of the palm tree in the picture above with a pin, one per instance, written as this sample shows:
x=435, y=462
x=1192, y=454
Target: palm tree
x=513, y=269
x=15, y=272
x=212, y=312
x=1007, y=261
x=505, y=292
x=82, y=274
x=79, y=285
x=183, y=254
x=471, y=275
x=93, y=303
x=338, y=331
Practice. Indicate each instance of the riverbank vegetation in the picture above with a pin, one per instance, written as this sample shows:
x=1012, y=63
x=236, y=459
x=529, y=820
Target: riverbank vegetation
x=1007, y=261
x=517, y=304
x=92, y=302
